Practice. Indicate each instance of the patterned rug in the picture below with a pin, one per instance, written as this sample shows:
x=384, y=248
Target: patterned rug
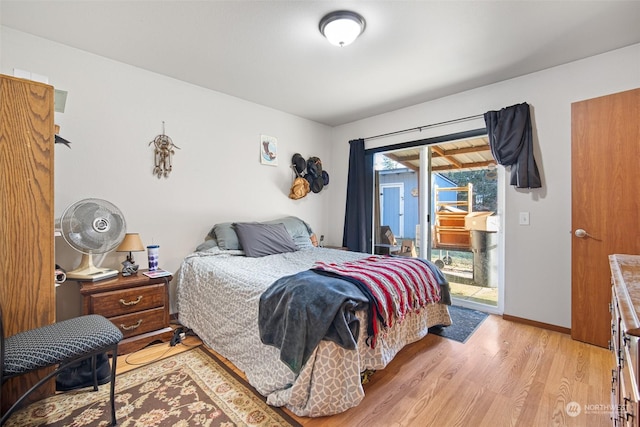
x=464, y=322
x=189, y=389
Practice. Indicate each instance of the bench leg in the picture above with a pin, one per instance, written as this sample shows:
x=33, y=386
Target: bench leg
x=114, y=359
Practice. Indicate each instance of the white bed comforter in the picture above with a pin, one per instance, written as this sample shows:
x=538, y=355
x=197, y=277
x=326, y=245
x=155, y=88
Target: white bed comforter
x=218, y=296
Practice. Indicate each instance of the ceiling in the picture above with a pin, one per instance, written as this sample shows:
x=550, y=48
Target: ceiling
x=271, y=52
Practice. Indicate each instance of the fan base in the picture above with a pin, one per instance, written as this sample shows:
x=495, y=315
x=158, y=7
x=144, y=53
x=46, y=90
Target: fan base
x=101, y=274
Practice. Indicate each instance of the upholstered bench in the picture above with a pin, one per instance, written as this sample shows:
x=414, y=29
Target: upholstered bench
x=62, y=344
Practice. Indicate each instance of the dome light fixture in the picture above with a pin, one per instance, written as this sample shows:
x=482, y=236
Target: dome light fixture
x=342, y=27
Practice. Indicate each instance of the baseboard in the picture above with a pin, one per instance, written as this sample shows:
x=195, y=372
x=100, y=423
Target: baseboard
x=542, y=325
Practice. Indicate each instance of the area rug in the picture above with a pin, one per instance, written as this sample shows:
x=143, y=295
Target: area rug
x=188, y=389
x=464, y=322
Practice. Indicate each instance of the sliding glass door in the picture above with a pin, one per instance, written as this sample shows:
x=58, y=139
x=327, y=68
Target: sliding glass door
x=440, y=201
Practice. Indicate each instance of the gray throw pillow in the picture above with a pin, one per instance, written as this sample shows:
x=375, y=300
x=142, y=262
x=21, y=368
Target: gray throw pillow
x=258, y=240
x=299, y=230
x=226, y=236
x=206, y=245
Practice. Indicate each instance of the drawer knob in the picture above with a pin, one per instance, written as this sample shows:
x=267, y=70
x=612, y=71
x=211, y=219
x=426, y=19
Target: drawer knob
x=133, y=302
x=129, y=328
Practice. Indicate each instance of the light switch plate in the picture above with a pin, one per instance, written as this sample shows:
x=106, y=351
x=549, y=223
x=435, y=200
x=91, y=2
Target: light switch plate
x=524, y=218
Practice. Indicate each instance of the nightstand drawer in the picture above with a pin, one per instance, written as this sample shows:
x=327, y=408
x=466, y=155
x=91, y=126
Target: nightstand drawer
x=140, y=322
x=138, y=305
x=116, y=303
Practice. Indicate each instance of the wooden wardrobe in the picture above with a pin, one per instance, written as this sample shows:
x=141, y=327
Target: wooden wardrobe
x=27, y=289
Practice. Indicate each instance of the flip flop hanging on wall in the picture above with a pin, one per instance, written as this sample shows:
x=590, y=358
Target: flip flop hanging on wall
x=163, y=152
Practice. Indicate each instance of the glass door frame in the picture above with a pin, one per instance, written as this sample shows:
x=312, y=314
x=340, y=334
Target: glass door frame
x=425, y=206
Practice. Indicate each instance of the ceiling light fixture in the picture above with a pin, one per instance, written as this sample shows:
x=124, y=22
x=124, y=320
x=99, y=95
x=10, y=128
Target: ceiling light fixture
x=342, y=27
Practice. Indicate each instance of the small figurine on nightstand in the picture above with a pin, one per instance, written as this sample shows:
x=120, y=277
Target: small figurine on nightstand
x=130, y=243
x=128, y=268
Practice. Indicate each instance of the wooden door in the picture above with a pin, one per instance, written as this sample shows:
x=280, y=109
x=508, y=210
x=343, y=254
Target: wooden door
x=26, y=215
x=605, y=203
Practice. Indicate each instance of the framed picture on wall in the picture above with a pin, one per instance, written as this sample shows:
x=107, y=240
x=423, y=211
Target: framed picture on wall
x=268, y=150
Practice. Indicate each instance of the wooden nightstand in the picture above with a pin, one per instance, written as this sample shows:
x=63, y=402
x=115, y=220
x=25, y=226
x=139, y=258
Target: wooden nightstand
x=137, y=305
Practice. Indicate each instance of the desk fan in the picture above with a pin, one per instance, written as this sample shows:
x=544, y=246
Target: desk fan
x=92, y=226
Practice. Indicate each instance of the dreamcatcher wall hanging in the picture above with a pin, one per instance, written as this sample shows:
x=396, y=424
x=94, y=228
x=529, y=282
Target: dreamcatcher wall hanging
x=163, y=152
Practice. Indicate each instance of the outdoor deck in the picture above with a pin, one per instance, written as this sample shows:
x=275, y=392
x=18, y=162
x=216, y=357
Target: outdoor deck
x=478, y=294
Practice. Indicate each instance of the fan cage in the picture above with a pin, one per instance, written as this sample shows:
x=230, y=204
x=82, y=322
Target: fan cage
x=92, y=226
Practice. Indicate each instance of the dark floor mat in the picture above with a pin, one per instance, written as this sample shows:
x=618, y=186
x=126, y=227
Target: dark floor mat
x=464, y=322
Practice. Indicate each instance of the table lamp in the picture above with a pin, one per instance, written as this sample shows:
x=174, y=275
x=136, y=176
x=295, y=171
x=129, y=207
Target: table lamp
x=131, y=243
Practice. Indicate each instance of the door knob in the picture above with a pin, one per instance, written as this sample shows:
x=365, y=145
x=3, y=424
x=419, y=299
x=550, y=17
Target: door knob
x=581, y=233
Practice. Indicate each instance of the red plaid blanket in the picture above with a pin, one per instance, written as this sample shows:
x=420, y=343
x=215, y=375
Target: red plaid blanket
x=400, y=285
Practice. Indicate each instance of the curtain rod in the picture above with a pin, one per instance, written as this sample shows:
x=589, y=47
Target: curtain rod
x=419, y=128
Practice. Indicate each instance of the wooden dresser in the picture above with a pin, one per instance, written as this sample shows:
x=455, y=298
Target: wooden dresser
x=625, y=334
x=137, y=305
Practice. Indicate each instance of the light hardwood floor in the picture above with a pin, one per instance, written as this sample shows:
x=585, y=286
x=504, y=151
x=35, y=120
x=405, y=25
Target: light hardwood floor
x=506, y=374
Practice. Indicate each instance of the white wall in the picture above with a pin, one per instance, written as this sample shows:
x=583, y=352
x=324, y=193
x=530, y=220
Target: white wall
x=114, y=111
x=538, y=257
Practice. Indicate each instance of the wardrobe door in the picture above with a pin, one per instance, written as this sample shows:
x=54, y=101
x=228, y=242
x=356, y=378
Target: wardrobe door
x=27, y=290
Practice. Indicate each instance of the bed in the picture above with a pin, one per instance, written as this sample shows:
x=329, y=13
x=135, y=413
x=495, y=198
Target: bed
x=219, y=289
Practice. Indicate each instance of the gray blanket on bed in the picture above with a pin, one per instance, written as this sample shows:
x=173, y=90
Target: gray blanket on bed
x=289, y=321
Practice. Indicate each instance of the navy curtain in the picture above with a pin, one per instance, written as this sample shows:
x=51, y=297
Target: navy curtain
x=511, y=142
x=357, y=218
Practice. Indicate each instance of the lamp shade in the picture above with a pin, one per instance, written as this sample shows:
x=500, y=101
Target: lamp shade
x=131, y=243
x=342, y=27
